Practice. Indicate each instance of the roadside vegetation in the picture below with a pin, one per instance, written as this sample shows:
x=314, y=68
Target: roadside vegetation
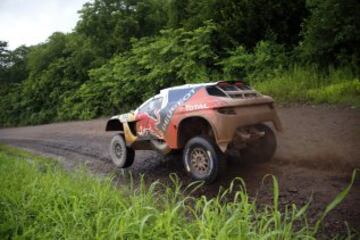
x=39, y=198
x=308, y=85
x=122, y=52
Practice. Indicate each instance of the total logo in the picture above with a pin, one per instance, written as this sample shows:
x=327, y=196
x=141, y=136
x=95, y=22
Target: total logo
x=196, y=107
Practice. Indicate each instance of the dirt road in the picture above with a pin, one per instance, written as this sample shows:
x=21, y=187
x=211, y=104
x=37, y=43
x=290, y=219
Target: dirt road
x=317, y=151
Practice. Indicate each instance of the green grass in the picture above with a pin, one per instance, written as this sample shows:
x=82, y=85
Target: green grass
x=309, y=85
x=40, y=200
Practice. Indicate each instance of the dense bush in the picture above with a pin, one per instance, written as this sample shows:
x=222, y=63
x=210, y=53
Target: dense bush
x=266, y=60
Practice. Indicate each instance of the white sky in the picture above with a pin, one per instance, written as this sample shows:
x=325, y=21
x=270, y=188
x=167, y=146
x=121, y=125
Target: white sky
x=32, y=21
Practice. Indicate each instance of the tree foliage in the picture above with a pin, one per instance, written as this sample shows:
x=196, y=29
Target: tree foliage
x=332, y=32
x=12, y=64
x=123, y=51
x=110, y=24
x=264, y=61
x=172, y=58
x=248, y=22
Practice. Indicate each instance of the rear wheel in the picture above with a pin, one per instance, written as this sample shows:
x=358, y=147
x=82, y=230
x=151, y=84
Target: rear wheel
x=202, y=159
x=121, y=155
x=263, y=149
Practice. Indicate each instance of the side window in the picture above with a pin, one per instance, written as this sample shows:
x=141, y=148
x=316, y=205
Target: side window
x=152, y=105
x=155, y=104
x=215, y=91
x=144, y=108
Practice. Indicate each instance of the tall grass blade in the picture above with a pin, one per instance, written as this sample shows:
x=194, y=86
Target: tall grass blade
x=338, y=199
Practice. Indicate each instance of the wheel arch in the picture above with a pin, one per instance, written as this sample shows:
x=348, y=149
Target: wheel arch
x=114, y=125
x=197, y=125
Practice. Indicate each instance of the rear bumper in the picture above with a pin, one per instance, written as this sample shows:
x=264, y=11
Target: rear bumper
x=246, y=115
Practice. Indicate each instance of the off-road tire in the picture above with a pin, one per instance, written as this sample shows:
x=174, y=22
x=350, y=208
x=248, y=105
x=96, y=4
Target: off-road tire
x=261, y=150
x=203, y=160
x=121, y=155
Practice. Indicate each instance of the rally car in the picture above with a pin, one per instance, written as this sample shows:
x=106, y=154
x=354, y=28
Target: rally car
x=206, y=121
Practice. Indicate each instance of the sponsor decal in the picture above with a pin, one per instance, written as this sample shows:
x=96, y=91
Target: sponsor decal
x=180, y=98
x=196, y=107
x=158, y=119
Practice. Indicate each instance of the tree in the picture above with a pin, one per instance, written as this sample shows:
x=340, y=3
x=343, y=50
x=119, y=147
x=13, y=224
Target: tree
x=243, y=22
x=4, y=52
x=332, y=32
x=110, y=24
x=17, y=71
x=12, y=64
x=177, y=13
x=153, y=63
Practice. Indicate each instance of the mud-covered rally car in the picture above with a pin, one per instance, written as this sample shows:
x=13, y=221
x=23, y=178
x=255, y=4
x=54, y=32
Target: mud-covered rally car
x=206, y=121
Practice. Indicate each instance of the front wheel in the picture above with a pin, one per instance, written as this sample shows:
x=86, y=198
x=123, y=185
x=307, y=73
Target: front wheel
x=202, y=159
x=121, y=155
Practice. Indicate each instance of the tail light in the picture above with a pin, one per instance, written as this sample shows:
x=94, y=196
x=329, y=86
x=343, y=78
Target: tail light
x=229, y=111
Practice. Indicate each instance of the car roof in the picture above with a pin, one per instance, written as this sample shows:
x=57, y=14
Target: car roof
x=193, y=85
x=164, y=92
